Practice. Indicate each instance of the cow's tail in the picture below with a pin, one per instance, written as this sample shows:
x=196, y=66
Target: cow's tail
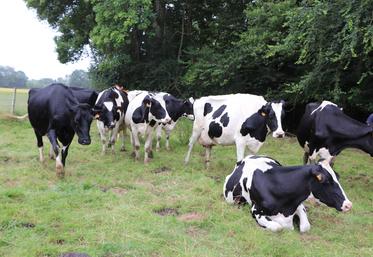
x=15, y=117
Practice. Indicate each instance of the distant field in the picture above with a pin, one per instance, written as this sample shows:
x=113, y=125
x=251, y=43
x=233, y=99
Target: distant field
x=6, y=96
x=113, y=206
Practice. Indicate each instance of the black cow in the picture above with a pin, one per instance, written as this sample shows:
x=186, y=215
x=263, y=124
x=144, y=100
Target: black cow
x=370, y=120
x=176, y=108
x=55, y=111
x=276, y=193
x=85, y=95
x=325, y=130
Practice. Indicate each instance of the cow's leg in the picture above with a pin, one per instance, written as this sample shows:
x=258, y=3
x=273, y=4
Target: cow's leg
x=53, y=140
x=51, y=153
x=114, y=135
x=168, y=132
x=240, y=150
x=159, y=137
x=102, y=132
x=122, y=134
x=135, y=143
x=192, y=140
x=148, y=144
x=306, y=157
x=39, y=140
x=304, y=224
x=207, y=155
x=265, y=221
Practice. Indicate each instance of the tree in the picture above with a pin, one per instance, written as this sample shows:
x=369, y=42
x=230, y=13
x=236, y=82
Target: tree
x=79, y=78
x=12, y=78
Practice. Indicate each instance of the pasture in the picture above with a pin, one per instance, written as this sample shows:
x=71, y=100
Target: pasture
x=6, y=96
x=113, y=206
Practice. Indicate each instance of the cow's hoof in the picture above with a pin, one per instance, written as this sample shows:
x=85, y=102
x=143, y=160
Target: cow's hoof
x=157, y=149
x=122, y=149
x=60, y=171
x=150, y=154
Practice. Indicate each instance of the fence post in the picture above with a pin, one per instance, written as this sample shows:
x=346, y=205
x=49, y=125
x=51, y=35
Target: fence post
x=14, y=100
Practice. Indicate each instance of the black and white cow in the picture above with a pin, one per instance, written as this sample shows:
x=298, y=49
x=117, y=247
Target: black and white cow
x=145, y=112
x=324, y=130
x=240, y=119
x=55, y=111
x=276, y=193
x=110, y=108
x=176, y=108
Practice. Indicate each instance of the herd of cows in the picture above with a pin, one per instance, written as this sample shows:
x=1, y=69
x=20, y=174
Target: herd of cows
x=276, y=193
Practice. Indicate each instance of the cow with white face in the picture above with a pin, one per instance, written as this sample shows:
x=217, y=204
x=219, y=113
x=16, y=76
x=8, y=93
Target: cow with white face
x=176, y=108
x=110, y=108
x=240, y=119
x=146, y=110
x=276, y=193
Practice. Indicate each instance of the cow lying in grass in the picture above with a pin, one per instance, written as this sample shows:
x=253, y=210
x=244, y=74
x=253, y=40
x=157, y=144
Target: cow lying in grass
x=276, y=193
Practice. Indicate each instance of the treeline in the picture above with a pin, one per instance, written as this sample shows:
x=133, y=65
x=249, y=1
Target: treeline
x=9, y=77
x=295, y=50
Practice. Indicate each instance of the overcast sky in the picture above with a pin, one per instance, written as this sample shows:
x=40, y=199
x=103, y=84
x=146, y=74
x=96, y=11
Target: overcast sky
x=27, y=44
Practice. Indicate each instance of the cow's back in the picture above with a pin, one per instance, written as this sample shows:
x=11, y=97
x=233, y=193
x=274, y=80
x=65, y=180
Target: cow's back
x=306, y=124
x=235, y=108
x=45, y=104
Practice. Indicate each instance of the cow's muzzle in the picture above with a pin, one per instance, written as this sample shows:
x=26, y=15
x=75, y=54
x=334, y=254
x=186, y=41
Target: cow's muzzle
x=84, y=141
x=279, y=134
x=346, y=206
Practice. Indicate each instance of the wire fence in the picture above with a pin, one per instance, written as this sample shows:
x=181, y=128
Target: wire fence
x=13, y=101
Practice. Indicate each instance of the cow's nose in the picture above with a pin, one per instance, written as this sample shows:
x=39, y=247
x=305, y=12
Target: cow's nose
x=279, y=134
x=346, y=206
x=112, y=125
x=84, y=141
x=166, y=120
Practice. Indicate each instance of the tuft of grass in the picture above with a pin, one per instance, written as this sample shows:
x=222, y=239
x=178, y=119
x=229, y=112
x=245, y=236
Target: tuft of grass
x=113, y=206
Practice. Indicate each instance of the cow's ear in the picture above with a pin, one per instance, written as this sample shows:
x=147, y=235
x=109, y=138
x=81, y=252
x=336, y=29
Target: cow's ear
x=113, y=95
x=264, y=111
x=147, y=102
x=317, y=174
x=96, y=112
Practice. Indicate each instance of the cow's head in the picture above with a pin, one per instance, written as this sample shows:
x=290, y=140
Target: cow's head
x=188, y=108
x=177, y=107
x=81, y=119
x=325, y=187
x=157, y=109
x=274, y=112
x=108, y=110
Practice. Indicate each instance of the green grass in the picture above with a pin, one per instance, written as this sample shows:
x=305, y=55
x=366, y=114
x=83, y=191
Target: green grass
x=107, y=205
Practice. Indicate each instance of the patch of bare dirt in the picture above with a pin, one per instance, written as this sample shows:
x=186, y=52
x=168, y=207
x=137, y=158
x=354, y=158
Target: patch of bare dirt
x=309, y=238
x=119, y=191
x=167, y=212
x=192, y=216
x=161, y=170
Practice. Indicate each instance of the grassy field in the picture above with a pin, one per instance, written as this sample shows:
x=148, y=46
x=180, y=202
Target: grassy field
x=6, y=96
x=113, y=206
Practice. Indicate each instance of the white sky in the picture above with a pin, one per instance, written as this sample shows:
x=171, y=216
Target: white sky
x=27, y=44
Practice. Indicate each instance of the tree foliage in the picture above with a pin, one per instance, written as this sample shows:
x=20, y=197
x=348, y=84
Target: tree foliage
x=12, y=78
x=298, y=50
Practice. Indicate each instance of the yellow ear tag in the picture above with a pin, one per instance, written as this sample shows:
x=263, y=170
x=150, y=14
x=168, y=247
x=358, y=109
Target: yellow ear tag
x=319, y=177
x=263, y=114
